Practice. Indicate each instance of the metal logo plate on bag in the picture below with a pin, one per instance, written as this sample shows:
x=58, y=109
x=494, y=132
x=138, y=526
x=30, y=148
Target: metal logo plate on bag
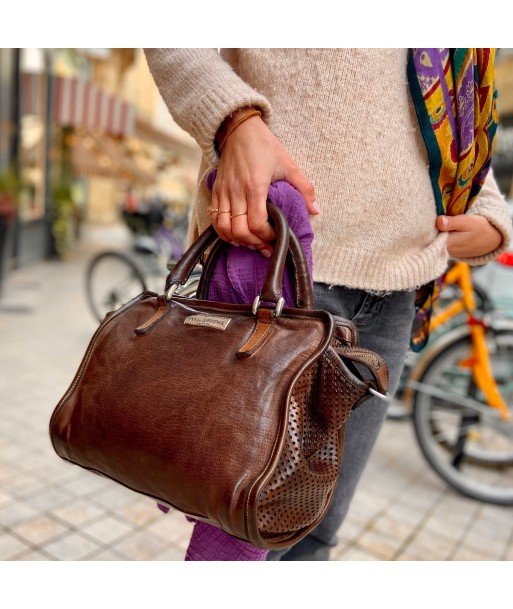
x=208, y=321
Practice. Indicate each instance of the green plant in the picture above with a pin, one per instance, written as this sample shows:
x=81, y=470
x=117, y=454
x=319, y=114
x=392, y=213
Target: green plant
x=64, y=207
x=9, y=188
x=63, y=214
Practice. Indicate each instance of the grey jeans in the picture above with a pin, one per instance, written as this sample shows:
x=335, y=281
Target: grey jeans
x=384, y=323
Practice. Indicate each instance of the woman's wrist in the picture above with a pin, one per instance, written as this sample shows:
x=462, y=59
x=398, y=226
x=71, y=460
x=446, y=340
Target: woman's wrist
x=231, y=123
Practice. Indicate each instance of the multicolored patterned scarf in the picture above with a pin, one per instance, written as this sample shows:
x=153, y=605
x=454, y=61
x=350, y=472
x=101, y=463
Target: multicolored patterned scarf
x=454, y=96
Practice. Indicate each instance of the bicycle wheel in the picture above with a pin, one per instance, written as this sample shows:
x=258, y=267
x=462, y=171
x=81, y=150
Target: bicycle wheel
x=400, y=409
x=112, y=279
x=463, y=440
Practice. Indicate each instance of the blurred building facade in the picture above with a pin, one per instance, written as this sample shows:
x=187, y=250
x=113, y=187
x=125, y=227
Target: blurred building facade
x=9, y=143
x=83, y=131
x=503, y=153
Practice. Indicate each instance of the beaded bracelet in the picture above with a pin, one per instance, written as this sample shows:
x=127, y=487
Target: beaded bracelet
x=235, y=125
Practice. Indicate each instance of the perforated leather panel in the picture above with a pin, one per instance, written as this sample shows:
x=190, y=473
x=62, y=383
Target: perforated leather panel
x=305, y=477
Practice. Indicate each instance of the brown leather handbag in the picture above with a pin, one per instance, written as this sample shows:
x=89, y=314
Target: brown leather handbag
x=233, y=414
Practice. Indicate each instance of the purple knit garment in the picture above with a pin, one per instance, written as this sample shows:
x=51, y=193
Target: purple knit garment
x=237, y=278
x=240, y=272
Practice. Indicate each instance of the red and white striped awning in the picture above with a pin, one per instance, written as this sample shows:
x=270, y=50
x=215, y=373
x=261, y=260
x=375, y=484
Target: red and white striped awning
x=79, y=103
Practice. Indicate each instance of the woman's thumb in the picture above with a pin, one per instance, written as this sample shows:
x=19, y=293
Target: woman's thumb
x=300, y=183
x=443, y=223
x=460, y=223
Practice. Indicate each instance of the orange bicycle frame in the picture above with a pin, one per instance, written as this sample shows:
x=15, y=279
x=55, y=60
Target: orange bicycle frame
x=479, y=360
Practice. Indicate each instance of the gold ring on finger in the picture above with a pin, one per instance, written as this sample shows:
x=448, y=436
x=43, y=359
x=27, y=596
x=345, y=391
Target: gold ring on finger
x=212, y=210
x=242, y=213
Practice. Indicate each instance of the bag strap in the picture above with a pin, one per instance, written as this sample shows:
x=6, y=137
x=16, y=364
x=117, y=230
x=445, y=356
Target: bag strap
x=296, y=261
x=271, y=290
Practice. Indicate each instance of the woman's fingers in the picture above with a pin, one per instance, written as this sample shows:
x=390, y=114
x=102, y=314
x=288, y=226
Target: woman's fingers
x=222, y=209
x=294, y=177
x=223, y=223
x=252, y=158
x=243, y=235
x=258, y=222
x=470, y=235
x=232, y=225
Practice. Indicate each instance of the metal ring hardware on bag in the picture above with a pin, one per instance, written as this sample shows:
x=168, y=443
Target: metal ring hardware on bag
x=381, y=396
x=278, y=309
x=274, y=279
x=280, y=303
x=171, y=291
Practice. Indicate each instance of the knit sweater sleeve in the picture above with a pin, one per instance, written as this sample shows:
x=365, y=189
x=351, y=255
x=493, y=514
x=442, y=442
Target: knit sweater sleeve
x=200, y=90
x=491, y=204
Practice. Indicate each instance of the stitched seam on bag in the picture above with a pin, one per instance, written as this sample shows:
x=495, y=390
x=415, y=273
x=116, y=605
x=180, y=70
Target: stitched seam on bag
x=155, y=498
x=296, y=277
x=299, y=314
x=265, y=469
x=86, y=357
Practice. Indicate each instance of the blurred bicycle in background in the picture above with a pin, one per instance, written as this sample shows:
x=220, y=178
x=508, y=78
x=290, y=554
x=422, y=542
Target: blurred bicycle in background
x=458, y=391
x=114, y=277
x=492, y=287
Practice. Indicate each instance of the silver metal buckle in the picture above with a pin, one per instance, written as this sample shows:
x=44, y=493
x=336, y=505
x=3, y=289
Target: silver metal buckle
x=256, y=304
x=280, y=303
x=171, y=291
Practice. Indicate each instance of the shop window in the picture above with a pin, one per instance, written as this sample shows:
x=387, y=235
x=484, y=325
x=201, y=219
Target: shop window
x=32, y=160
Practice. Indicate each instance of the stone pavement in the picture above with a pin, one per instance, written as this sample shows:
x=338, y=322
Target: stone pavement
x=51, y=510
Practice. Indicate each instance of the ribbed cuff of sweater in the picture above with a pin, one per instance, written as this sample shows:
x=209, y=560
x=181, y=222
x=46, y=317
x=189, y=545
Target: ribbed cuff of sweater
x=200, y=90
x=215, y=106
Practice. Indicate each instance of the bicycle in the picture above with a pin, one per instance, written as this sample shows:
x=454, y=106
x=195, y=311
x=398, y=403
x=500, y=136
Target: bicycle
x=460, y=394
x=114, y=277
x=399, y=408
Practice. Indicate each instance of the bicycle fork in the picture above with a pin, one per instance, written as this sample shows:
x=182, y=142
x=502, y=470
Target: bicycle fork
x=479, y=363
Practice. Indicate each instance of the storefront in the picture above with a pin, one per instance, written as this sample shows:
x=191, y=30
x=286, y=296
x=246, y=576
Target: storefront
x=9, y=59
x=69, y=131
x=76, y=150
x=503, y=157
x=503, y=153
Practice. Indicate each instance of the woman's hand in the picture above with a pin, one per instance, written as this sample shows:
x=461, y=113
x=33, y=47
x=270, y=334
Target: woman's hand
x=251, y=159
x=469, y=235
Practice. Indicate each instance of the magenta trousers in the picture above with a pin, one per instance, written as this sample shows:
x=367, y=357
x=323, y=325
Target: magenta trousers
x=211, y=543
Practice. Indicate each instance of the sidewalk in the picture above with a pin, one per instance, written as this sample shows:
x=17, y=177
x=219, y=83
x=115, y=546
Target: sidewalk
x=51, y=510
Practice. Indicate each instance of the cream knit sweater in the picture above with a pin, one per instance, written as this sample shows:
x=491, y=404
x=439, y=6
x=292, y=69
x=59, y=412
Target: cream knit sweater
x=345, y=116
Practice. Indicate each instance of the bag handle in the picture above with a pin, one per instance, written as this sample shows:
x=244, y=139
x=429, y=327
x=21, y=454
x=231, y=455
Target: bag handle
x=296, y=260
x=271, y=290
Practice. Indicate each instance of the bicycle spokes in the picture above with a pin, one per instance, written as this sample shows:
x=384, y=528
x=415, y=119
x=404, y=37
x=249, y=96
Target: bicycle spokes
x=466, y=442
